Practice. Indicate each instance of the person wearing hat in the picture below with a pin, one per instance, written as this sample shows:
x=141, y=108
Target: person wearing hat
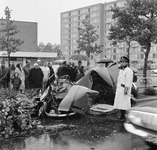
x=124, y=83
x=4, y=75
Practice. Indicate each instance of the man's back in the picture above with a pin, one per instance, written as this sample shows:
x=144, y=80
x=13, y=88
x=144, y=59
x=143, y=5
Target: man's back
x=63, y=71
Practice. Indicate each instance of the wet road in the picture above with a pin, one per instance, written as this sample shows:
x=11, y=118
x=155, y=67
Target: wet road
x=103, y=132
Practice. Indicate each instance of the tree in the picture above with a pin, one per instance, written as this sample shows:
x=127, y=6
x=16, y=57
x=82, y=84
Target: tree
x=88, y=38
x=55, y=48
x=124, y=30
x=143, y=20
x=7, y=41
x=145, y=11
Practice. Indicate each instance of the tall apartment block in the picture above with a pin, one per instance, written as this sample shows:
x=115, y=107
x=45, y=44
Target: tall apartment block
x=101, y=18
x=71, y=20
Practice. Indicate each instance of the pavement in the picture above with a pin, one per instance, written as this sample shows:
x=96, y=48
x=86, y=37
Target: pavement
x=145, y=98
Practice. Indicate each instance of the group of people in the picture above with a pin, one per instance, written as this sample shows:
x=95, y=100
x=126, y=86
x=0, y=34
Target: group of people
x=74, y=72
x=21, y=78
x=39, y=76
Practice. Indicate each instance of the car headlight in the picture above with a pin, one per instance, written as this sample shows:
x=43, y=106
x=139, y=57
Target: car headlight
x=134, y=118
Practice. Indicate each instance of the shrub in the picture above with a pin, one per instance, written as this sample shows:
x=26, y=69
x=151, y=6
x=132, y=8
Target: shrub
x=150, y=91
x=14, y=117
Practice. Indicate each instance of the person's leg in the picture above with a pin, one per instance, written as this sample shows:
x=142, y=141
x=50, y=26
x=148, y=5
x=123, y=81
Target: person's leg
x=122, y=114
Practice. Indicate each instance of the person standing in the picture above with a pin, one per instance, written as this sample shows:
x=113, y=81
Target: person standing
x=62, y=70
x=4, y=75
x=26, y=70
x=46, y=72
x=16, y=81
x=52, y=73
x=123, y=91
x=21, y=73
x=73, y=72
x=79, y=71
x=36, y=77
x=12, y=68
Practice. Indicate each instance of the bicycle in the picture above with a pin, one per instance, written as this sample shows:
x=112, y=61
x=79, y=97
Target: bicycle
x=145, y=80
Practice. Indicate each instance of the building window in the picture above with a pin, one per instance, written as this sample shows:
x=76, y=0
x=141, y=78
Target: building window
x=74, y=13
x=114, y=57
x=114, y=50
x=84, y=11
x=142, y=56
x=95, y=8
x=154, y=55
x=65, y=25
x=64, y=15
x=93, y=15
x=82, y=17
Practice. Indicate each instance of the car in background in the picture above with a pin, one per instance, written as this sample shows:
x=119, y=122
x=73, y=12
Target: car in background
x=142, y=121
x=154, y=71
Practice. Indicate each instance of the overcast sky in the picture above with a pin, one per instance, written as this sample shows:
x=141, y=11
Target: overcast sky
x=45, y=12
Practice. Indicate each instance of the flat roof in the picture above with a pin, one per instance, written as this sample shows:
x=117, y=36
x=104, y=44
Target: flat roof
x=29, y=54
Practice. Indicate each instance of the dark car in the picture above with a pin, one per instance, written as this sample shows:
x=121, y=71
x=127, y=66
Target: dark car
x=142, y=121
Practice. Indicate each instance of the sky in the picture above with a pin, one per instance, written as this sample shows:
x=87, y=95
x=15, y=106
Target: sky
x=45, y=12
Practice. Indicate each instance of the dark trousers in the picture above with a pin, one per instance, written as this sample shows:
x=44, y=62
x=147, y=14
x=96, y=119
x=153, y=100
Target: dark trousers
x=122, y=113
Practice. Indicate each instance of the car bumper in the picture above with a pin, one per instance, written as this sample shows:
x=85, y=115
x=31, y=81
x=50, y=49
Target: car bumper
x=130, y=128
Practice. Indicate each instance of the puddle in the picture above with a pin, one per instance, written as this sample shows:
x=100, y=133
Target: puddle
x=86, y=133
x=57, y=141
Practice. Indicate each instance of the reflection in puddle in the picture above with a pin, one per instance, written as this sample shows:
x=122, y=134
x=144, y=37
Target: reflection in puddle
x=61, y=137
x=60, y=143
x=49, y=141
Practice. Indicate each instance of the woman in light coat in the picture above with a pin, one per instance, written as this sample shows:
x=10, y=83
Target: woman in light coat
x=124, y=83
x=21, y=73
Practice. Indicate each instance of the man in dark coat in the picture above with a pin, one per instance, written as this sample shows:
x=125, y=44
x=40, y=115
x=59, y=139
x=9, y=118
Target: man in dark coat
x=63, y=70
x=36, y=77
x=4, y=75
x=26, y=70
x=52, y=73
x=79, y=71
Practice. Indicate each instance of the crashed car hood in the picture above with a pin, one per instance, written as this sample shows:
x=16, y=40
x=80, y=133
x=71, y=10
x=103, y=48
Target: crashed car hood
x=102, y=72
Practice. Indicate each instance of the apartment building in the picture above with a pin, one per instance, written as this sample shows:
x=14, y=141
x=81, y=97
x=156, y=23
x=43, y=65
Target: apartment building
x=28, y=34
x=28, y=50
x=101, y=18
x=71, y=20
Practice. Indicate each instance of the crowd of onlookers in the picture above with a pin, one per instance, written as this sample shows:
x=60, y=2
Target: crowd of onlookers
x=20, y=77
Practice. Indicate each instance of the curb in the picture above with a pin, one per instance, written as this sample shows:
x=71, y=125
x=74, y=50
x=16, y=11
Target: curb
x=147, y=99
